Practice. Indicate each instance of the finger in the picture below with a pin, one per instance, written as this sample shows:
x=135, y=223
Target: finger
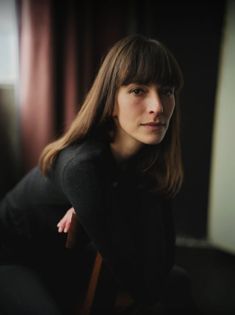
x=61, y=226
x=60, y=229
x=61, y=222
x=67, y=226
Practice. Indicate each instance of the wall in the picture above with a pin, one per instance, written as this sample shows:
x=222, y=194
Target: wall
x=9, y=132
x=222, y=193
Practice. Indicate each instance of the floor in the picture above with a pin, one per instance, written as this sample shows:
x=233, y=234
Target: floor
x=213, y=276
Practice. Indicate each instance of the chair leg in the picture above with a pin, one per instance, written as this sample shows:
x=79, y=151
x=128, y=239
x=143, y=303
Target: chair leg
x=86, y=308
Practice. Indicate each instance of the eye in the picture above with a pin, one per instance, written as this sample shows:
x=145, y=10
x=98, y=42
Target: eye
x=137, y=91
x=167, y=91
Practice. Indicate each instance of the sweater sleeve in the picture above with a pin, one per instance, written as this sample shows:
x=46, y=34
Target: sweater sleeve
x=82, y=186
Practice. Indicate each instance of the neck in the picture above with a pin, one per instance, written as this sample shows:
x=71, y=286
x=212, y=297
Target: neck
x=124, y=151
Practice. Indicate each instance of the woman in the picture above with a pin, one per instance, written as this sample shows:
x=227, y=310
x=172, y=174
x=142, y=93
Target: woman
x=117, y=166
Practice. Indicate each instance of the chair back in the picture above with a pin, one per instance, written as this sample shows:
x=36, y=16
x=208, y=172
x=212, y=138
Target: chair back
x=86, y=306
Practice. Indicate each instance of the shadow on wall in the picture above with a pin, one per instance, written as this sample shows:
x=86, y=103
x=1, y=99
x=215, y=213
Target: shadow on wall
x=9, y=161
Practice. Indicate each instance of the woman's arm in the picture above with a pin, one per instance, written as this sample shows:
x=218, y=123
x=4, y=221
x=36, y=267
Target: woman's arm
x=83, y=185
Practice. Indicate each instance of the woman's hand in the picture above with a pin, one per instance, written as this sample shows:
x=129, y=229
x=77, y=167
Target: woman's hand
x=65, y=223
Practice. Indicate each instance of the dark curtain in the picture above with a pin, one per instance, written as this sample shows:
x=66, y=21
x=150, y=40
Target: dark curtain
x=36, y=79
x=61, y=45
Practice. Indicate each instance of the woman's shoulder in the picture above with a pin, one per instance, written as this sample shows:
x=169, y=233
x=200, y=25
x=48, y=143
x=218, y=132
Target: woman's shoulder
x=88, y=152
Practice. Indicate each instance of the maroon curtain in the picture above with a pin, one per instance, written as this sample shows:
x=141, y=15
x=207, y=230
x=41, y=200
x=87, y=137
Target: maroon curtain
x=36, y=79
x=61, y=45
x=70, y=82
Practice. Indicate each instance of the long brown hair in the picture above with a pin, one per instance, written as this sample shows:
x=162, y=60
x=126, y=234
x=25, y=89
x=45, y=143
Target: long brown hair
x=137, y=59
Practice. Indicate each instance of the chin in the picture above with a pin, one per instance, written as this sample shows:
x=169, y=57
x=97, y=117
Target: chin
x=153, y=141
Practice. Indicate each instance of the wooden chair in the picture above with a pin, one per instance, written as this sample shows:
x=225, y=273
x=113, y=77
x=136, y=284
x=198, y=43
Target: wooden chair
x=85, y=309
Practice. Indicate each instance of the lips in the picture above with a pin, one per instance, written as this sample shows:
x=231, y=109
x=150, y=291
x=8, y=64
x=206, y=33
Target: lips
x=154, y=124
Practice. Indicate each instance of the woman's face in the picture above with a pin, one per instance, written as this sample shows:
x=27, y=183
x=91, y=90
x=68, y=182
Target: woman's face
x=142, y=114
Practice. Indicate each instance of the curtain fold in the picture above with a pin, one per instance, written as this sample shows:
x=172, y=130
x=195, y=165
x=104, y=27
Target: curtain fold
x=36, y=79
x=70, y=67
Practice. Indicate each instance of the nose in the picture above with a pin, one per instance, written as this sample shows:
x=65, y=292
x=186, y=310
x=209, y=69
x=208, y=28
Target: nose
x=155, y=105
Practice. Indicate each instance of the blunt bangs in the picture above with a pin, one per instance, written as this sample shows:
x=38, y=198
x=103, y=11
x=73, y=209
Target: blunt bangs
x=147, y=61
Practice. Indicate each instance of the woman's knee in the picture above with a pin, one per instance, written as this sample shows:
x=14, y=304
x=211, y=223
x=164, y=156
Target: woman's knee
x=179, y=277
x=23, y=292
x=178, y=290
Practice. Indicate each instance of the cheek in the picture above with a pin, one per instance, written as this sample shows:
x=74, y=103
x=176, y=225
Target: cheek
x=124, y=111
x=118, y=106
x=124, y=116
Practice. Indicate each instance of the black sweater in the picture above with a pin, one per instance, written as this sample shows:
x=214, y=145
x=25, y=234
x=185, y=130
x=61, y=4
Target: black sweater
x=130, y=227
